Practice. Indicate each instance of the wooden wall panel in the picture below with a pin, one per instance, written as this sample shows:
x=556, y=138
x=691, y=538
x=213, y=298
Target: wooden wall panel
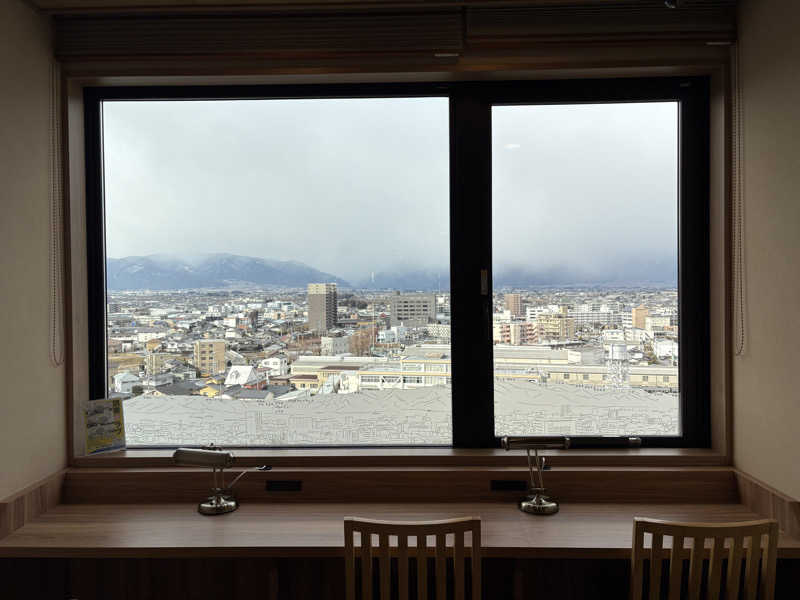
x=29, y=503
x=769, y=502
x=109, y=486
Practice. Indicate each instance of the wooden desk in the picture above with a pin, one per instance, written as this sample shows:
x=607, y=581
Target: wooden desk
x=578, y=531
x=292, y=551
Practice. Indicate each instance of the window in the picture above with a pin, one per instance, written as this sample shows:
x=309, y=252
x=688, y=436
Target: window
x=567, y=221
x=603, y=282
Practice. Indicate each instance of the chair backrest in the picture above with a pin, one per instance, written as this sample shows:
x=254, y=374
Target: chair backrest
x=403, y=549
x=761, y=548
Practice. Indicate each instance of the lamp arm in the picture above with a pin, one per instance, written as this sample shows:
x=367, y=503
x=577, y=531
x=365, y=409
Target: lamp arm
x=237, y=478
x=530, y=468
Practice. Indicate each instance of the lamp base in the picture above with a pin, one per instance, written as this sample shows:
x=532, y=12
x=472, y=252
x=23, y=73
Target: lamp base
x=218, y=505
x=539, y=504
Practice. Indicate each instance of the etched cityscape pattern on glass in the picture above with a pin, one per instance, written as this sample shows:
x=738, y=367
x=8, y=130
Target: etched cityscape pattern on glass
x=278, y=271
x=585, y=265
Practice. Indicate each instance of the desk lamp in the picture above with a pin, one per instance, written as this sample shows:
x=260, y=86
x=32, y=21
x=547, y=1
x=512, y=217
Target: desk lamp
x=221, y=500
x=536, y=503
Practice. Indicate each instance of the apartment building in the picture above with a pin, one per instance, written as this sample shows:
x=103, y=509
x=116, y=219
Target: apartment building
x=209, y=356
x=555, y=326
x=321, y=306
x=639, y=316
x=513, y=303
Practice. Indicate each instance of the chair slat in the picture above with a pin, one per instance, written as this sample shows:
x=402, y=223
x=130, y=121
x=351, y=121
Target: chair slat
x=476, y=561
x=696, y=567
x=380, y=556
x=402, y=567
x=768, y=564
x=366, y=565
x=422, y=567
x=751, y=567
x=715, y=568
x=760, y=557
x=441, y=567
x=734, y=569
x=636, y=561
x=385, y=566
x=458, y=565
x=655, y=566
x=676, y=567
x=349, y=562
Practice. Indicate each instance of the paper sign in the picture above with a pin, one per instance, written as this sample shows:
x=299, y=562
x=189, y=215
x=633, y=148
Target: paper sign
x=105, y=426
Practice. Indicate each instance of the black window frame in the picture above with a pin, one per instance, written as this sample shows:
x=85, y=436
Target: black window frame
x=471, y=224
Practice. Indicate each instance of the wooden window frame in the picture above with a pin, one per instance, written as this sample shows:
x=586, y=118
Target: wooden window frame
x=473, y=443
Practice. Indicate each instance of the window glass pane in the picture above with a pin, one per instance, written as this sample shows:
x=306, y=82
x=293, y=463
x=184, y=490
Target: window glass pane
x=278, y=270
x=585, y=263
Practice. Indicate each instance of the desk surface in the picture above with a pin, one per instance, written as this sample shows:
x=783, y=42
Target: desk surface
x=316, y=530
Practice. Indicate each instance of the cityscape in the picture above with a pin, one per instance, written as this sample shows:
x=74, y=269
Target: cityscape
x=277, y=270
x=324, y=365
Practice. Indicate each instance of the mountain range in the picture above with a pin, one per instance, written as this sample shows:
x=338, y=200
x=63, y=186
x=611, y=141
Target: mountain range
x=172, y=272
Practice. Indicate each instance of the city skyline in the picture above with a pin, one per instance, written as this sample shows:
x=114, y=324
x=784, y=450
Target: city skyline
x=197, y=366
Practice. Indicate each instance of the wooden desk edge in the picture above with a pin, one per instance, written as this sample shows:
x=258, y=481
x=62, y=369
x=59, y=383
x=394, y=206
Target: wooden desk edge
x=317, y=552
x=55, y=535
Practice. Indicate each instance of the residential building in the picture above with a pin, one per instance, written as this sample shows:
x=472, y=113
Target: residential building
x=276, y=366
x=125, y=382
x=590, y=318
x=639, y=316
x=395, y=335
x=518, y=333
x=333, y=345
x=209, y=356
x=556, y=326
x=305, y=382
x=513, y=304
x=532, y=312
x=657, y=322
x=154, y=362
x=321, y=306
x=246, y=376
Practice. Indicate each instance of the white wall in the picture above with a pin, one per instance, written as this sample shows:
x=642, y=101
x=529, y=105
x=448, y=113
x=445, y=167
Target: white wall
x=766, y=407
x=32, y=396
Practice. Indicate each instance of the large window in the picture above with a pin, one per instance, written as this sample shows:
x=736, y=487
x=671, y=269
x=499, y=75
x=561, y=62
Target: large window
x=585, y=262
x=400, y=264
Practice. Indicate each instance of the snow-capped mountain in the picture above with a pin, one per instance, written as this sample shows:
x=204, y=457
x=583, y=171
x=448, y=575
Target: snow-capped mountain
x=168, y=272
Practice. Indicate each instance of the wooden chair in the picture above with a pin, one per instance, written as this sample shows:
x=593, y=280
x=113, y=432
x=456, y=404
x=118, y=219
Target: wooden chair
x=403, y=550
x=762, y=544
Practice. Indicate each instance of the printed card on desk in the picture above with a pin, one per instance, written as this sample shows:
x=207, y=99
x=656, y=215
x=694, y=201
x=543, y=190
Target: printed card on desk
x=105, y=426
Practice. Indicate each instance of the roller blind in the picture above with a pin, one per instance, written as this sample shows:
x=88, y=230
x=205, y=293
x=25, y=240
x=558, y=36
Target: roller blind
x=458, y=27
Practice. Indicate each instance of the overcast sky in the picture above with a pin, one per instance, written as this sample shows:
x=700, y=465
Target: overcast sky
x=354, y=186
x=589, y=188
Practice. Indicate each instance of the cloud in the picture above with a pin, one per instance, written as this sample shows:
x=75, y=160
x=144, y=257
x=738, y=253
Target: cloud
x=354, y=186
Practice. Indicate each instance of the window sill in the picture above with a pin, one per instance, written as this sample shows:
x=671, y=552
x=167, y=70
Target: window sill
x=421, y=457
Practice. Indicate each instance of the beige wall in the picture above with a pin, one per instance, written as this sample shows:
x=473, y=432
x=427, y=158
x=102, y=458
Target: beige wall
x=32, y=407
x=766, y=390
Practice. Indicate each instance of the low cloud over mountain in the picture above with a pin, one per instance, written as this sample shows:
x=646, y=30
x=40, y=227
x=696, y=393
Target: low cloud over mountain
x=168, y=272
